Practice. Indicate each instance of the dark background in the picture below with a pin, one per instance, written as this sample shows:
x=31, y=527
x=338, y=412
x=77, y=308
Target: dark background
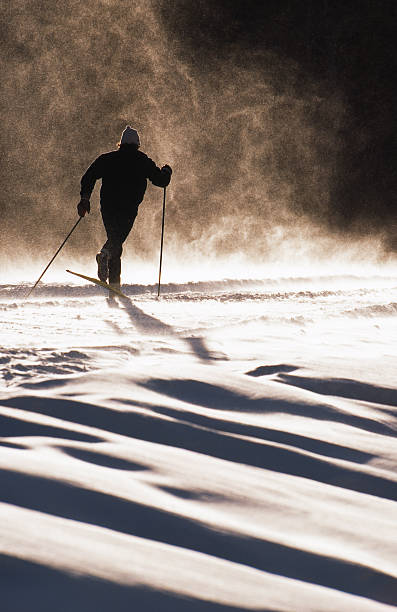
x=278, y=118
x=348, y=47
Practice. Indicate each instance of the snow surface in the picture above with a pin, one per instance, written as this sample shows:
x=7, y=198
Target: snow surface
x=231, y=446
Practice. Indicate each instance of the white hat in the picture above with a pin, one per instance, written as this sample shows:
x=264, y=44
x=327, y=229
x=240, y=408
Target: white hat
x=130, y=136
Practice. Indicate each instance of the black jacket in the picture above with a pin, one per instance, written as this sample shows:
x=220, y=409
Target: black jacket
x=124, y=175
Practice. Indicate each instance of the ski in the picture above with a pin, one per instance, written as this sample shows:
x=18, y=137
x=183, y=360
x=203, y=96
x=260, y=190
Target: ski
x=99, y=282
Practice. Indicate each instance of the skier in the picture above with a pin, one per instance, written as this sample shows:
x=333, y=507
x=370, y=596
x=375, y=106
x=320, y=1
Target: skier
x=124, y=175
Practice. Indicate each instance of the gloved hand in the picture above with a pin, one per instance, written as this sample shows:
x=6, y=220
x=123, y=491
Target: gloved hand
x=83, y=207
x=167, y=168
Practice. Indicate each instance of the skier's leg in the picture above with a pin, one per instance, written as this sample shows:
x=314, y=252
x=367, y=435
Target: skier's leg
x=112, y=248
x=126, y=221
x=102, y=259
x=117, y=226
x=115, y=263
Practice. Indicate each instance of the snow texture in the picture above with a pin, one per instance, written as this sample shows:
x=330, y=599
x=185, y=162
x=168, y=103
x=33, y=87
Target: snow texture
x=231, y=446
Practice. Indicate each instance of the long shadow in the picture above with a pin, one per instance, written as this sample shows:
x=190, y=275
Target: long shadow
x=14, y=445
x=319, y=447
x=271, y=369
x=146, y=324
x=102, y=459
x=211, y=396
x=24, y=582
x=344, y=387
x=214, y=443
x=114, y=513
x=10, y=428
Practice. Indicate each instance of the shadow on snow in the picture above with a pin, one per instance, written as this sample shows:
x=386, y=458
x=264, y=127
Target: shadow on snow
x=147, y=324
x=212, y=439
x=344, y=387
x=24, y=582
x=71, y=502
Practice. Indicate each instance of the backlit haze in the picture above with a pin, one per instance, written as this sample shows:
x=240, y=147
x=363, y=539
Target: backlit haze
x=256, y=132
x=232, y=445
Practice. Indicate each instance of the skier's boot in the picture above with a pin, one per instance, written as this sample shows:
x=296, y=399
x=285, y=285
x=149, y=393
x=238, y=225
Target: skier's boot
x=102, y=261
x=116, y=286
x=114, y=268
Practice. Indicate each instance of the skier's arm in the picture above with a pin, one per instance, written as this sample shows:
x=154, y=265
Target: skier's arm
x=88, y=181
x=89, y=178
x=159, y=177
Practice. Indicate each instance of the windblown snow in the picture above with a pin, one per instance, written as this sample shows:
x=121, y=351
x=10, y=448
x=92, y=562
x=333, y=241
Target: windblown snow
x=231, y=446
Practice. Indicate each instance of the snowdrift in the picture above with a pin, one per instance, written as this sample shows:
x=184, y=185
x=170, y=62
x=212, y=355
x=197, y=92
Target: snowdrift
x=229, y=447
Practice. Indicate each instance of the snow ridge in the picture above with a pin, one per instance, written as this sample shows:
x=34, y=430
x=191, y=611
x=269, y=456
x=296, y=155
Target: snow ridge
x=219, y=450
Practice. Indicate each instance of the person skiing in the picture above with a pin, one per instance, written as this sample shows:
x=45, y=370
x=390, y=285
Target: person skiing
x=124, y=173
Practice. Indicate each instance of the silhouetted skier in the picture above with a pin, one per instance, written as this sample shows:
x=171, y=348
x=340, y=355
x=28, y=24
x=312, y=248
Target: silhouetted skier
x=124, y=175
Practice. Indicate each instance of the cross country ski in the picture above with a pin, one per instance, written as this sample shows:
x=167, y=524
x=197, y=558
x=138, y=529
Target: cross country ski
x=100, y=283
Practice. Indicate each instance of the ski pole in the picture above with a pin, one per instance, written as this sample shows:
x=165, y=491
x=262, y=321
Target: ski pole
x=161, y=244
x=46, y=268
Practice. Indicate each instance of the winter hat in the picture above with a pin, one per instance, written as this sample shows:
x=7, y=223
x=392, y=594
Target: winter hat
x=130, y=136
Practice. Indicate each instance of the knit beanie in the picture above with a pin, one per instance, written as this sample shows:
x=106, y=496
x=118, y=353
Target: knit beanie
x=130, y=136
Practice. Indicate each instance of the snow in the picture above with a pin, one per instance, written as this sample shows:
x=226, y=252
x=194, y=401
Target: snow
x=230, y=446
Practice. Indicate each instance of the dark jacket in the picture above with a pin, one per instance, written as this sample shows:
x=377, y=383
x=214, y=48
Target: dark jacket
x=124, y=175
